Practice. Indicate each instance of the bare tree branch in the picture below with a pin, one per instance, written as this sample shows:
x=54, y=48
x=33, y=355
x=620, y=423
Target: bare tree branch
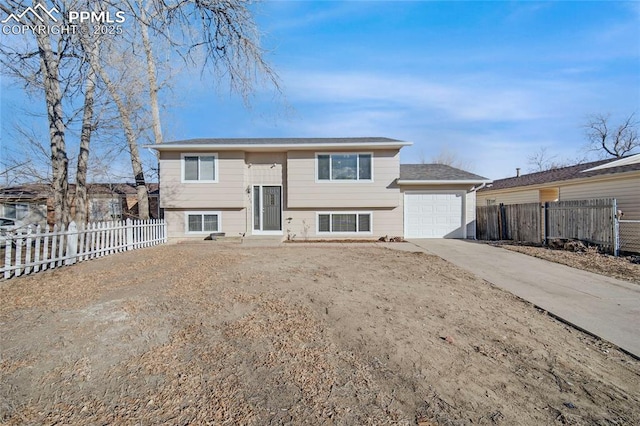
x=614, y=142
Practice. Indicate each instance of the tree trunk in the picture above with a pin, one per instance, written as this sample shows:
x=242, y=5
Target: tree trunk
x=136, y=163
x=85, y=138
x=151, y=73
x=53, y=97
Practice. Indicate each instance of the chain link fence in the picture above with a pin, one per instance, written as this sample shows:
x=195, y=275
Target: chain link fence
x=629, y=236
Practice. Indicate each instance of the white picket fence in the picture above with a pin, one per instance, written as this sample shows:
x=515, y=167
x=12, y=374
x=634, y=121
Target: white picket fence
x=37, y=250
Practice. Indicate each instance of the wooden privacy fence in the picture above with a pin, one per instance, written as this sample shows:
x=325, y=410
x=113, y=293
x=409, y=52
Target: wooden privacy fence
x=517, y=222
x=592, y=221
x=38, y=250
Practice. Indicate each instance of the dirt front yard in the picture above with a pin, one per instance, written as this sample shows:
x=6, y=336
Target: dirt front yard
x=224, y=334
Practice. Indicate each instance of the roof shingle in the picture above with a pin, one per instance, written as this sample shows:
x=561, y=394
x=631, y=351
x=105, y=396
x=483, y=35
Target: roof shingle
x=577, y=171
x=443, y=172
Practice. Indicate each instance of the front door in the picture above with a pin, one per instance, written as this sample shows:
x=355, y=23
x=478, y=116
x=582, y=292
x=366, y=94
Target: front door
x=267, y=208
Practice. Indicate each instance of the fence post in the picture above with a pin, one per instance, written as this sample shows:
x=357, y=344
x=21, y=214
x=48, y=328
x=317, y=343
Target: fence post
x=616, y=229
x=72, y=244
x=7, y=258
x=501, y=225
x=129, y=226
x=546, y=223
x=165, y=238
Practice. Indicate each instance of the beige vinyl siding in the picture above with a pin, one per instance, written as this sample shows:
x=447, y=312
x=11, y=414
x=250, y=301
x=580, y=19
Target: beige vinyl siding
x=303, y=191
x=232, y=223
x=510, y=197
x=626, y=189
x=229, y=192
x=265, y=168
x=303, y=223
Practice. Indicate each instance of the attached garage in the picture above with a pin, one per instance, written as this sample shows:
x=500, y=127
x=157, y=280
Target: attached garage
x=434, y=214
x=438, y=201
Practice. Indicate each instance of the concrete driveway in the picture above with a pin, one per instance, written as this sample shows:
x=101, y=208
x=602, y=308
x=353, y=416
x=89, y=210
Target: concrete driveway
x=603, y=306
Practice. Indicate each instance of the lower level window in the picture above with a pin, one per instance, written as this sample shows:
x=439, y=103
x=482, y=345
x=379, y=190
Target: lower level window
x=16, y=211
x=203, y=222
x=344, y=222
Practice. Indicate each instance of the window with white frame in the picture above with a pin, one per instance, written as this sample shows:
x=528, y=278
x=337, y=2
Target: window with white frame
x=344, y=166
x=16, y=211
x=202, y=222
x=346, y=222
x=200, y=168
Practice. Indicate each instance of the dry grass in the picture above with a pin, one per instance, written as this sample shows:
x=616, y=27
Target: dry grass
x=221, y=334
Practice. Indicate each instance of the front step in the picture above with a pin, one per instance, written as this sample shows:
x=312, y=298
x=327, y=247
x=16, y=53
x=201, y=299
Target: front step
x=263, y=238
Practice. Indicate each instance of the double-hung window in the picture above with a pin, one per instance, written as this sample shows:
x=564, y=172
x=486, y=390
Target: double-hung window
x=344, y=167
x=202, y=222
x=200, y=168
x=344, y=222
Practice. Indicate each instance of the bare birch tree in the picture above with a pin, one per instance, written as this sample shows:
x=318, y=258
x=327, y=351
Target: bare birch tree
x=109, y=61
x=218, y=36
x=49, y=51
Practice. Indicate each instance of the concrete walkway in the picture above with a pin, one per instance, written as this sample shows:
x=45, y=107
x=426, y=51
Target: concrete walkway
x=603, y=306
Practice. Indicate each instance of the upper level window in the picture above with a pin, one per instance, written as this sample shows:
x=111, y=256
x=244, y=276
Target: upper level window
x=344, y=167
x=200, y=168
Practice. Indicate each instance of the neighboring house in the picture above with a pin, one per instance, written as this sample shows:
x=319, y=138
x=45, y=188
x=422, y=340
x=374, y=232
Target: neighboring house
x=612, y=178
x=310, y=188
x=25, y=203
x=118, y=201
x=33, y=203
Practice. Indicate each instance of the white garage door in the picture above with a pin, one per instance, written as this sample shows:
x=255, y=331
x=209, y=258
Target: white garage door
x=433, y=215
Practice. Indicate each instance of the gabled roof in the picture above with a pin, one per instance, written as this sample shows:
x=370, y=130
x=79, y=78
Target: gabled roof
x=282, y=143
x=30, y=191
x=578, y=171
x=436, y=173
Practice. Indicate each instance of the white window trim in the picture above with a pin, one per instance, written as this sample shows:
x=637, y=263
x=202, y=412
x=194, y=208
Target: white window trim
x=23, y=206
x=201, y=212
x=331, y=180
x=199, y=154
x=370, y=232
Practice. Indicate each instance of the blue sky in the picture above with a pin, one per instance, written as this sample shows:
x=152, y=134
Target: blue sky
x=490, y=82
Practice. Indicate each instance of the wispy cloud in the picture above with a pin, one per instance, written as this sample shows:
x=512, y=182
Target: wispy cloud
x=475, y=98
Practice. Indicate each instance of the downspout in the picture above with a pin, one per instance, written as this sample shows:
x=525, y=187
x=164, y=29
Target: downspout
x=478, y=188
x=475, y=189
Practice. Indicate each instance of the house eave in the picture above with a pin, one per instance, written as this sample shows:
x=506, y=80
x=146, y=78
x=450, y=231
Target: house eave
x=558, y=183
x=443, y=182
x=279, y=147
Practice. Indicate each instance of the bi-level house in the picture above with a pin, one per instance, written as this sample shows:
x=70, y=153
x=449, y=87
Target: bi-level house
x=310, y=188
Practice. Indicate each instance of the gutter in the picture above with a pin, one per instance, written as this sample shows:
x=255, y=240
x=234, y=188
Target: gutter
x=478, y=188
x=270, y=147
x=444, y=182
